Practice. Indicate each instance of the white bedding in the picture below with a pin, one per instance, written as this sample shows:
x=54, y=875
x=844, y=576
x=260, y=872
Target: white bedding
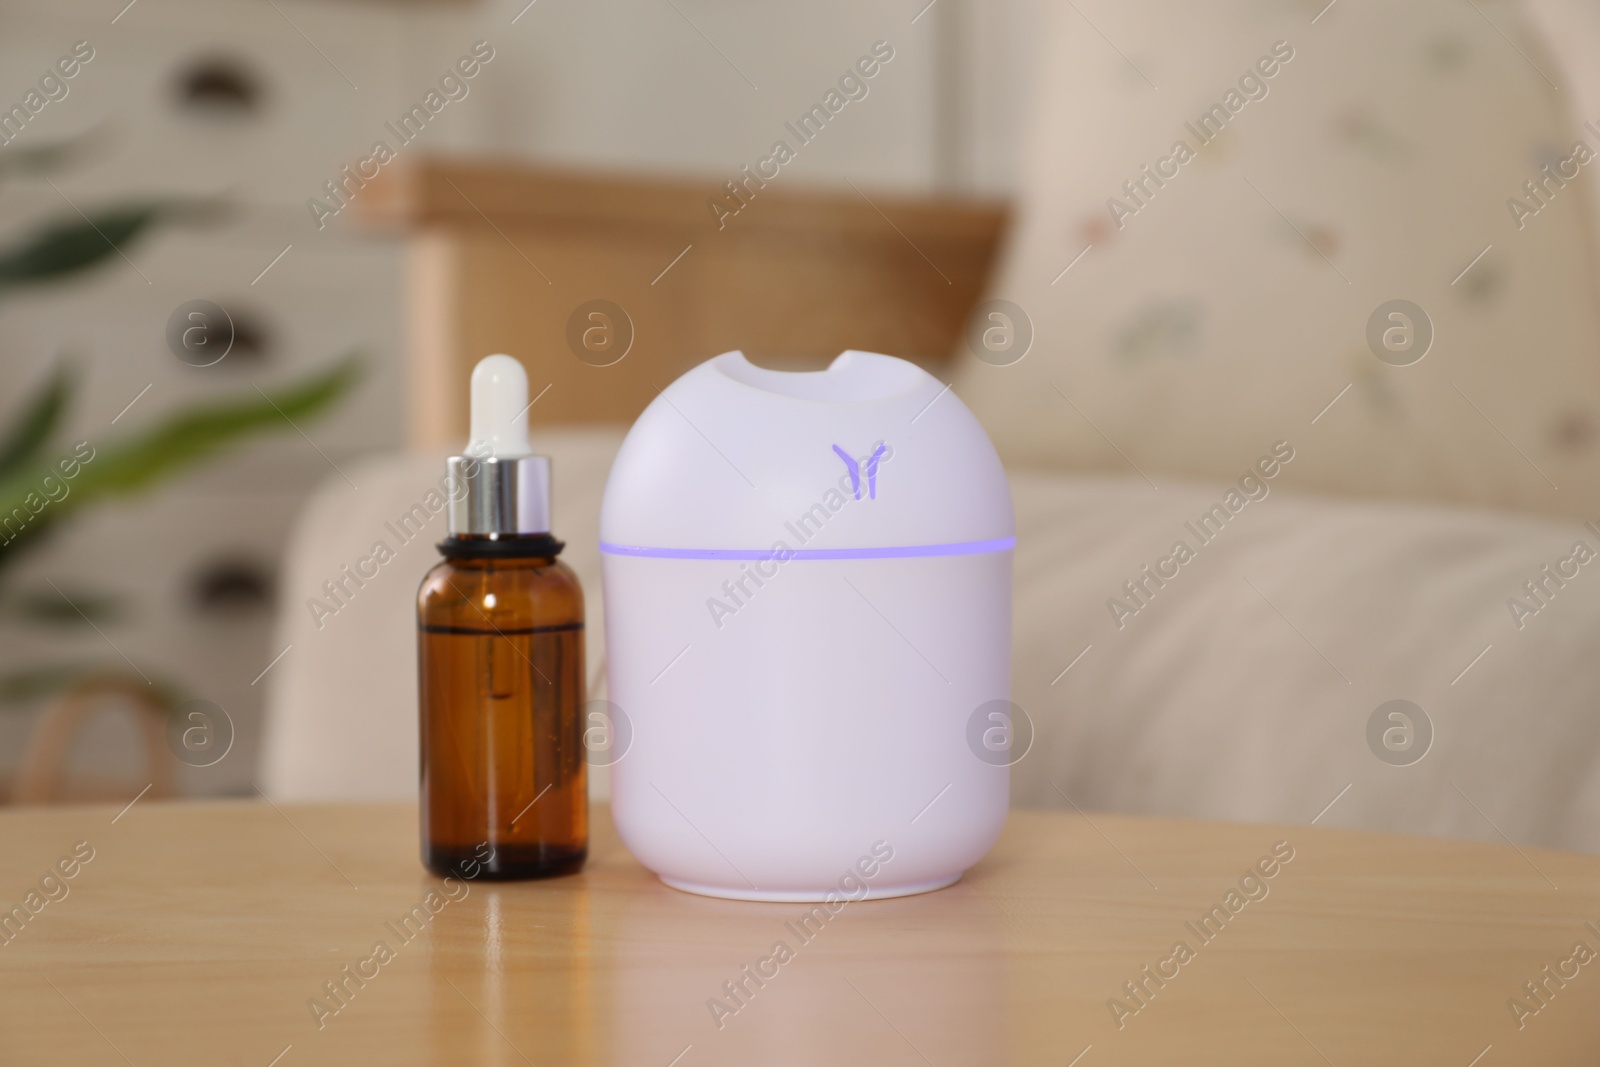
x=1207, y=703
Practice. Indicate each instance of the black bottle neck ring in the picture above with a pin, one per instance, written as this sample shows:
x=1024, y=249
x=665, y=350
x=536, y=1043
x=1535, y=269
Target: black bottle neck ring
x=504, y=546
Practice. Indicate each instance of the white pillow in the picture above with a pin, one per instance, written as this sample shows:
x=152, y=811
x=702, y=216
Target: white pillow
x=1232, y=308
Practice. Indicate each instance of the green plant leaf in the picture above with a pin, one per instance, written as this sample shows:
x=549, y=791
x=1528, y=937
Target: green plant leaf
x=39, y=417
x=179, y=440
x=202, y=431
x=76, y=243
x=50, y=157
x=49, y=607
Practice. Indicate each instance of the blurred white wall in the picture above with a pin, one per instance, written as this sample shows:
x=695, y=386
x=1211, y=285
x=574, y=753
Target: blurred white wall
x=634, y=84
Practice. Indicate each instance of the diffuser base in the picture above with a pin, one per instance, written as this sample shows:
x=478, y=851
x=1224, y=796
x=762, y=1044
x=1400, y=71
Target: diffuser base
x=807, y=896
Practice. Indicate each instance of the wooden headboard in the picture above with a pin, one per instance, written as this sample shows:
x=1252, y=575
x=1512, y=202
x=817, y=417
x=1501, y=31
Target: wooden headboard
x=511, y=258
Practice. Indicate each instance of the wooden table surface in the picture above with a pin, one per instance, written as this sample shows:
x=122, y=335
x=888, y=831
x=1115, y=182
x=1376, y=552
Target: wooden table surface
x=203, y=933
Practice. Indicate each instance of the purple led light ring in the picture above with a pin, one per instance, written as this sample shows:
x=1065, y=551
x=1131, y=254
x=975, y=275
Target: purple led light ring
x=958, y=548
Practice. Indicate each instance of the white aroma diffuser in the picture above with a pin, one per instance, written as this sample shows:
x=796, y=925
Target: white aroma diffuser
x=807, y=607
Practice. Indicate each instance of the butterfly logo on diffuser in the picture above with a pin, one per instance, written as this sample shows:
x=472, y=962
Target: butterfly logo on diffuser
x=870, y=468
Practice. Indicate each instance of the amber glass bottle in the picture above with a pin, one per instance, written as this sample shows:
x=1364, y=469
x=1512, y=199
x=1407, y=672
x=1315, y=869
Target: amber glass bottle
x=505, y=787
x=500, y=632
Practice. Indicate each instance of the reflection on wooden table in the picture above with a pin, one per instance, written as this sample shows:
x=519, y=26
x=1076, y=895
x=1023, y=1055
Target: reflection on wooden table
x=236, y=933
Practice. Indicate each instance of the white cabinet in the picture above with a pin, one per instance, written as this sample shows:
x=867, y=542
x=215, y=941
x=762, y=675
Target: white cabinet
x=242, y=103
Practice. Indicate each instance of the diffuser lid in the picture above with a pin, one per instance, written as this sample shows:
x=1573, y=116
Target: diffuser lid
x=872, y=453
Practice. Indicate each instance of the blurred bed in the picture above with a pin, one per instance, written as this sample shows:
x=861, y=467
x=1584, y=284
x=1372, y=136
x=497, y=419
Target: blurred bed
x=1225, y=320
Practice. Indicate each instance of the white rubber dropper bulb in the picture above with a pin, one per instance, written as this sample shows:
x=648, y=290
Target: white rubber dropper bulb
x=499, y=409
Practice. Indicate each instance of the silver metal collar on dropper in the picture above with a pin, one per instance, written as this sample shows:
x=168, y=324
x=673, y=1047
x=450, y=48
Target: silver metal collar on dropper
x=504, y=495
x=498, y=488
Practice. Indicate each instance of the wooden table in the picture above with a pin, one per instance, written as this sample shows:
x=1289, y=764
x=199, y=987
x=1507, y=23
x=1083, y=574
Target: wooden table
x=199, y=933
